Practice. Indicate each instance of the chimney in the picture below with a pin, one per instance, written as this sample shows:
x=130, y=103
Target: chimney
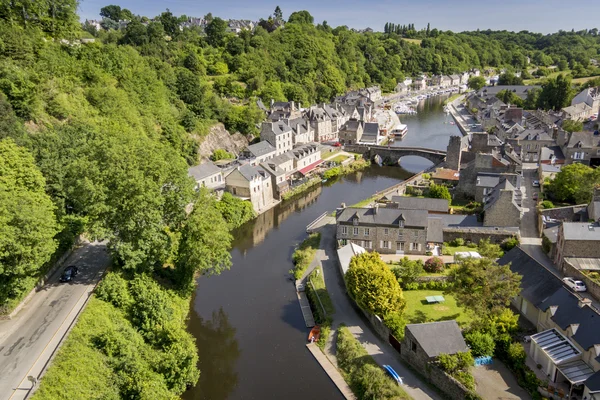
x=555, y=132
x=584, y=302
x=298, y=128
x=272, y=102
x=293, y=106
x=376, y=208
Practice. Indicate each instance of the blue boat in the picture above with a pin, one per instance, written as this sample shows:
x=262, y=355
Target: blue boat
x=393, y=374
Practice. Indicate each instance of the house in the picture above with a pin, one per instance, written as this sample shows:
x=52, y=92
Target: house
x=207, y=175
x=551, y=155
x=445, y=81
x=589, y=96
x=487, y=181
x=402, y=88
x=519, y=90
x=346, y=253
x=433, y=206
x=283, y=110
x=578, y=112
x=373, y=93
x=279, y=134
x=454, y=80
x=530, y=142
x=306, y=158
x=321, y=124
x=577, y=239
x=567, y=345
x=351, y=132
x=258, y=152
x=482, y=162
x=423, y=343
x=301, y=130
x=251, y=183
x=464, y=78
x=370, y=133
x=278, y=176
x=385, y=230
x=581, y=147
x=419, y=83
x=502, y=206
x=484, y=142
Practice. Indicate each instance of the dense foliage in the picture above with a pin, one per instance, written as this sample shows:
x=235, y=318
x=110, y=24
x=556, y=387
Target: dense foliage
x=373, y=285
x=574, y=183
x=434, y=265
x=408, y=271
x=366, y=379
x=304, y=254
x=458, y=366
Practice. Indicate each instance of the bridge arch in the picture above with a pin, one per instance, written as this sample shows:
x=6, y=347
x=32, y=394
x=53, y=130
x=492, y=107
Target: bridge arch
x=391, y=155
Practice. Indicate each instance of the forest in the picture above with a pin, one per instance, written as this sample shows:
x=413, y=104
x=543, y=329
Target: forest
x=96, y=139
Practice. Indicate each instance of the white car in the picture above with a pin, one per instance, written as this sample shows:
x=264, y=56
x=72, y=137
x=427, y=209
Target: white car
x=574, y=284
x=536, y=183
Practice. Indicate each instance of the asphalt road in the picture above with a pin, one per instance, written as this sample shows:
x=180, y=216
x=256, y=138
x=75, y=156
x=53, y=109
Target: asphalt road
x=29, y=339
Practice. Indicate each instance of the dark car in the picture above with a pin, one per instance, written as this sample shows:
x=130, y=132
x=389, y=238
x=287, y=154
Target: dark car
x=69, y=273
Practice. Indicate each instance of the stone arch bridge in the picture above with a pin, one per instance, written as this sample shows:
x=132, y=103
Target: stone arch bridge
x=391, y=155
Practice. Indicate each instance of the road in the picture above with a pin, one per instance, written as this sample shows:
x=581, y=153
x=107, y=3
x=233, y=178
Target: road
x=531, y=241
x=381, y=351
x=28, y=341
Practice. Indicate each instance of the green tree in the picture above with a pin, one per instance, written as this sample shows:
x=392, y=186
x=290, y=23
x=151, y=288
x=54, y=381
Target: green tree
x=563, y=65
x=574, y=183
x=509, y=97
x=509, y=78
x=476, y=82
x=439, y=192
x=373, y=285
x=483, y=286
x=205, y=242
x=235, y=210
x=488, y=249
x=408, y=271
x=27, y=221
x=556, y=93
x=572, y=126
x=301, y=17
x=278, y=14
x=481, y=344
x=111, y=12
x=434, y=265
x=216, y=31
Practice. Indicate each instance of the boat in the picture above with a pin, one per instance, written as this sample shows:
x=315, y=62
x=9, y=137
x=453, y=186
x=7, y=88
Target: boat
x=400, y=130
x=393, y=374
x=314, y=334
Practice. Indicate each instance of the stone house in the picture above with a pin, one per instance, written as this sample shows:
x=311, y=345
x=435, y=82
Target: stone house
x=423, y=343
x=484, y=142
x=207, y=175
x=502, y=206
x=251, y=183
x=577, y=239
x=337, y=115
x=419, y=83
x=581, y=147
x=385, y=230
x=279, y=134
x=433, y=206
x=445, y=81
x=530, y=141
x=258, y=152
x=436, y=80
x=464, y=78
x=487, y=181
x=278, y=176
x=455, y=80
x=373, y=93
x=589, y=96
x=578, y=112
x=370, y=133
x=306, y=158
x=351, y=132
x=321, y=124
x=301, y=130
x=551, y=155
x=402, y=88
x=283, y=110
x=481, y=163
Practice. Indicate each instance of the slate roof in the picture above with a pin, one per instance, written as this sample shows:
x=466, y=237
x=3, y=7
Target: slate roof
x=351, y=126
x=581, y=231
x=459, y=221
x=260, y=148
x=533, y=134
x=537, y=284
x=202, y=171
x=300, y=123
x=282, y=158
x=371, y=129
x=438, y=337
x=519, y=90
x=569, y=312
x=251, y=172
x=280, y=127
x=487, y=179
x=416, y=203
x=577, y=108
x=346, y=253
x=548, y=152
x=583, y=139
x=384, y=216
x=593, y=382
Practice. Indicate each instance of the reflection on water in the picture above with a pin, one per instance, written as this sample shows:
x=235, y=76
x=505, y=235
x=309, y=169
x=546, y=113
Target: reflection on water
x=218, y=351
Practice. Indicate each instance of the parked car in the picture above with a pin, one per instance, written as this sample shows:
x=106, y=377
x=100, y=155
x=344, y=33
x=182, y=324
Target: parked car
x=536, y=183
x=574, y=284
x=535, y=196
x=69, y=273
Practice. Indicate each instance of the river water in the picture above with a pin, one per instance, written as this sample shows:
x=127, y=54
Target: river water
x=247, y=321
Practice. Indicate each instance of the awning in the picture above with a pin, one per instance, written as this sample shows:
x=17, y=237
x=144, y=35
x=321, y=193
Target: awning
x=576, y=371
x=309, y=167
x=556, y=346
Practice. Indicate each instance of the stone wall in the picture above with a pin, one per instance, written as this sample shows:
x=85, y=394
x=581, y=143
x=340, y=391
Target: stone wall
x=593, y=287
x=475, y=235
x=454, y=153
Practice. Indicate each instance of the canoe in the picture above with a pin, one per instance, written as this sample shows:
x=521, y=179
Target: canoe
x=393, y=374
x=314, y=334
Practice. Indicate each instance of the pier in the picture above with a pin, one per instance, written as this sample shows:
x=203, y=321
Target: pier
x=331, y=371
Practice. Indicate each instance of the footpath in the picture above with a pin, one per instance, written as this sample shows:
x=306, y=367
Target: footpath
x=345, y=313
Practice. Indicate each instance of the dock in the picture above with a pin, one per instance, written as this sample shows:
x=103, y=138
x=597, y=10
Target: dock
x=331, y=371
x=305, y=307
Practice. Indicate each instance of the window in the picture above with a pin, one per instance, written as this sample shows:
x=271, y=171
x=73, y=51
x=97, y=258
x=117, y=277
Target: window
x=528, y=146
x=367, y=244
x=413, y=346
x=344, y=230
x=385, y=244
x=355, y=232
x=410, y=247
x=386, y=231
x=578, y=155
x=367, y=231
x=400, y=235
x=400, y=246
x=401, y=224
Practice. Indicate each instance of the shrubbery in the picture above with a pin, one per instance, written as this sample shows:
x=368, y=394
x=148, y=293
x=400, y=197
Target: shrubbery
x=509, y=244
x=304, y=254
x=408, y=271
x=429, y=285
x=481, y=344
x=434, y=265
x=457, y=365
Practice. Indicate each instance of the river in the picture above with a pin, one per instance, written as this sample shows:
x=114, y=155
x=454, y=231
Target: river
x=247, y=322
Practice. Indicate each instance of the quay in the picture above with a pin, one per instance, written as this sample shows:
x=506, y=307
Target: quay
x=331, y=371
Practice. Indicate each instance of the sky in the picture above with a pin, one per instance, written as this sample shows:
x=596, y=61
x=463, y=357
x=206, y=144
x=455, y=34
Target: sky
x=545, y=16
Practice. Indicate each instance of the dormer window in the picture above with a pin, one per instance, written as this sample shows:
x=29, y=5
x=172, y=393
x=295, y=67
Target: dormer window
x=355, y=221
x=401, y=224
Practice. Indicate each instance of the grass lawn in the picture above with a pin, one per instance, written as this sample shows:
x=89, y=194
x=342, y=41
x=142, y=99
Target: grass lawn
x=339, y=158
x=418, y=311
x=413, y=41
x=364, y=203
x=319, y=285
x=579, y=81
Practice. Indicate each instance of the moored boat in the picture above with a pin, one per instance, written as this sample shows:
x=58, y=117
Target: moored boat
x=400, y=130
x=393, y=374
x=314, y=334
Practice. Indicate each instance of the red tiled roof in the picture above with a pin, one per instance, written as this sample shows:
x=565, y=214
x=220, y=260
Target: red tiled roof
x=310, y=167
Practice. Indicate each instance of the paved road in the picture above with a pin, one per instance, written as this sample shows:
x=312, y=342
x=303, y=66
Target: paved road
x=29, y=340
x=345, y=313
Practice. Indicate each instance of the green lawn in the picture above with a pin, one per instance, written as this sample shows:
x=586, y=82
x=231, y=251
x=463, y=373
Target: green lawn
x=339, y=158
x=418, y=311
x=319, y=286
x=413, y=41
x=579, y=81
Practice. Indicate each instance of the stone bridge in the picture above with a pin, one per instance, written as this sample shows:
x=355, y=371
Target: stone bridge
x=391, y=155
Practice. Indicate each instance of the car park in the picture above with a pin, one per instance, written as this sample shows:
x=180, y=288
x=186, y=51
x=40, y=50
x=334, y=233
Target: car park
x=576, y=285
x=69, y=273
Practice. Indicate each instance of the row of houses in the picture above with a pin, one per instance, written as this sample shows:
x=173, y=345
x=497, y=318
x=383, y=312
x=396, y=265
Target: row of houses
x=422, y=82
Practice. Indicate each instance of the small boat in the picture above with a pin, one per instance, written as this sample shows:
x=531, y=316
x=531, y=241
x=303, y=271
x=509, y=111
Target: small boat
x=314, y=334
x=451, y=122
x=393, y=374
x=400, y=130
x=324, y=180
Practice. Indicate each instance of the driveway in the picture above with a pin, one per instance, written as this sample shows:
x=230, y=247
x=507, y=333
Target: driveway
x=496, y=382
x=345, y=313
x=30, y=339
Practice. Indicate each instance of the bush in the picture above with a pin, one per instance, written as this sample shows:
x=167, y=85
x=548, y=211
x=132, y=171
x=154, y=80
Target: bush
x=434, y=265
x=304, y=254
x=439, y=192
x=408, y=271
x=220, y=154
x=458, y=242
x=396, y=324
x=332, y=173
x=509, y=244
x=426, y=176
x=516, y=356
x=481, y=344
x=547, y=204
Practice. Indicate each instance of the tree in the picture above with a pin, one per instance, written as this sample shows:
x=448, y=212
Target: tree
x=408, y=271
x=509, y=97
x=27, y=221
x=484, y=287
x=170, y=23
x=509, y=78
x=476, y=82
x=556, y=93
x=301, y=17
x=205, y=242
x=216, y=30
x=373, y=286
x=111, y=12
x=235, y=210
x=481, y=344
x=434, y=265
x=563, y=65
x=572, y=126
x=439, y=192
x=574, y=183
x=278, y=14
x=487, y=249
